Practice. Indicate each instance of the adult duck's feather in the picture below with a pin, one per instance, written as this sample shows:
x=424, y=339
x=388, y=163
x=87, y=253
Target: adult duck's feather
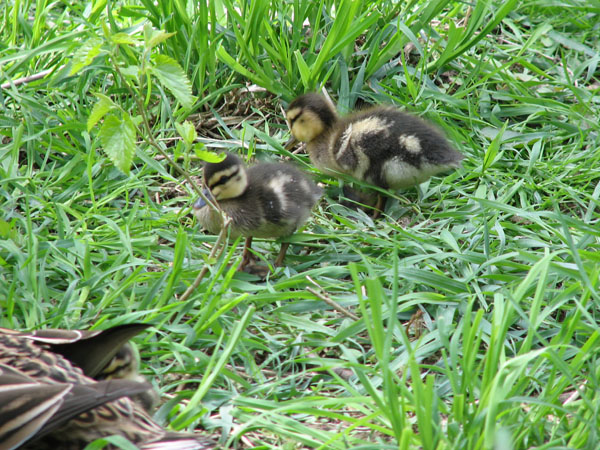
x=91, y=351
x=47, y=402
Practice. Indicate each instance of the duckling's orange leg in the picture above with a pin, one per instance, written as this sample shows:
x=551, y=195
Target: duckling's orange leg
x=246, y=255
x=281, y=256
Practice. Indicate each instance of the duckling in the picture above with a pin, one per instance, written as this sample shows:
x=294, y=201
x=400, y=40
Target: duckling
x=267, y=200
x=125, y=366
x=381, y=145
x=49, y=403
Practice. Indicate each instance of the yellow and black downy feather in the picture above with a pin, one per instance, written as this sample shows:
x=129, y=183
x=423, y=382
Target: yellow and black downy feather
x=266, y=200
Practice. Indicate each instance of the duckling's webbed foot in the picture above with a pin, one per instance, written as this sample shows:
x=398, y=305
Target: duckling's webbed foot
x=257, y=269
x=249, y=265
x=247, y=257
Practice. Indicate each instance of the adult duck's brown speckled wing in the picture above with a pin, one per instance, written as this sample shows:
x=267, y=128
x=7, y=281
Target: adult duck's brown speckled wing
x=91, y=351
x=30, y=408
x=61, y=408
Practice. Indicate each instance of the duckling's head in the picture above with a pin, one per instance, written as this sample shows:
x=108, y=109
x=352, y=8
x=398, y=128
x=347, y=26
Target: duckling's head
x=226, y=179
x=124, y=365
x=309, y=116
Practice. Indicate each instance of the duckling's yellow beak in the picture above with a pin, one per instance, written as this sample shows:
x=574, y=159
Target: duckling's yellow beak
x=290, y=143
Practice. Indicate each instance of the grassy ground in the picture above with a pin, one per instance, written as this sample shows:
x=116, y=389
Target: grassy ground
x=473, y=302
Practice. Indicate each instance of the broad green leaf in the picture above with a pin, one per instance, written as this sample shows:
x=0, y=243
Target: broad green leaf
x=410, y=84
x=474, y=33
x=539, y=32
x=208, y=156
x=100, y=109
x=118, y=139
x=158, y=36
x=86, y=53
x=124, y=38
x=187, y=131
x=137, y=120
x=131, y=72
x=231, y=62
x=172, y=76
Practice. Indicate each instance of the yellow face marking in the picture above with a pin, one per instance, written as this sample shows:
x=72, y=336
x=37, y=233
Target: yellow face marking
x=305, y=124
x=410, y=143
x=292, y=114
x=217, y=176
x=231, y=188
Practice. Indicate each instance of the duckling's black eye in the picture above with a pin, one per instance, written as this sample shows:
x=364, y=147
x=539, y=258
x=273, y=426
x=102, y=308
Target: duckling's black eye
x=224, y=179
x=294, y=119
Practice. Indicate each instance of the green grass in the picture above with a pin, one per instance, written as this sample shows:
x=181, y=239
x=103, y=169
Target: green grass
x=496, y=263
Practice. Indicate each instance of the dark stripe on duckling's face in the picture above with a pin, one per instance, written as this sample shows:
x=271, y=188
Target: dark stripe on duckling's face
x=305, y=125
x=230, y=182
x=123, y=365
x=316, y=104
x=223, y=177
x=293, y=115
